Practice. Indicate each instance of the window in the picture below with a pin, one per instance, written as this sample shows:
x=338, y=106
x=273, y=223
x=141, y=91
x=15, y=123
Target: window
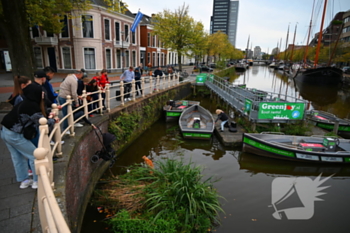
x=108, y=59
x=126, y=30
x=133, y=38
x=148, y=58
x=119, y=64
x=149, y=39
x=88, y=31
x=65, y=32
x=154, y=59
x=89, y=56
x=117, y=32
x=35, y=31
x=127, y=57
x=66, y=58
x=49, y=34
x=154, y=41
x=133, y=58
x=107, y=30
x=38, y=58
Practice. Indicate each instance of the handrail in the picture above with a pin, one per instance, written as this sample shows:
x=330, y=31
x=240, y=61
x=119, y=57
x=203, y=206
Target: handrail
x=51, y=217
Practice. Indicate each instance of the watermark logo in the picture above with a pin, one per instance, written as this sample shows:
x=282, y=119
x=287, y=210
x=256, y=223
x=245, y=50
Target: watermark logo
x=293, y=197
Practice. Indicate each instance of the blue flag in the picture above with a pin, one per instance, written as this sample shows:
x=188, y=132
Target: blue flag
x=136, y=21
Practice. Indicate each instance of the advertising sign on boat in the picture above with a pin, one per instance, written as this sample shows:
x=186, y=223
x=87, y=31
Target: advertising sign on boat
x=280, y=110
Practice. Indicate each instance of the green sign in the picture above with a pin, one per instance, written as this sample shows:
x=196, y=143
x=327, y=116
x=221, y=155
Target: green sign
x=197, y=135
x=174, y=114
x=201, y=78
x=268, y=148
x=247, y=106
x=281, y=111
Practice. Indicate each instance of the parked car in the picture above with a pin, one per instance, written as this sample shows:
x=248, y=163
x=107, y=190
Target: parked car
x=202, y=68
x=345, y=68
x=212, y=65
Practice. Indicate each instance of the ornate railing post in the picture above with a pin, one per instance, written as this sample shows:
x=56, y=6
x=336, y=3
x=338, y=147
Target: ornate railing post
x=70, y=116
x=143, y=87
x=107, y=98
x=122, y=92
x=169, y=80
x=85, y=104
x=151, y=84
x=157, y=83
x=133, y=90
x=57, y=131
x=100, y=103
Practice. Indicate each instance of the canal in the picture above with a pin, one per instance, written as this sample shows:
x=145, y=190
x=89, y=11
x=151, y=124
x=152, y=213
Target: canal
x=247, y=182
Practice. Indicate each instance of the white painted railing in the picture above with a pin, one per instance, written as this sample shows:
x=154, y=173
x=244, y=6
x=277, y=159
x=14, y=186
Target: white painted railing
x=51, y=217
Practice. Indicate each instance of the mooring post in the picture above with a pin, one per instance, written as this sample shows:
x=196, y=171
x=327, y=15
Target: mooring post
x=253, y=126
x=336, y=127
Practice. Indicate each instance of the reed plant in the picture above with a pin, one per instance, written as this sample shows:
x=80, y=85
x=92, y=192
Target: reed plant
x=175, y=198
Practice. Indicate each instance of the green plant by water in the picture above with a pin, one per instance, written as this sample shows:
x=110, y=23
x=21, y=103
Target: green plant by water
x=173, y=197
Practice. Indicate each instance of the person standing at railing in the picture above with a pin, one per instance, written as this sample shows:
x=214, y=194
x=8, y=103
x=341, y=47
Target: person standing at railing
x=28, y=112
x=149, y=65
x=127, y=77
x=39, y=79
x=157, y=72
x=51, y=94
x=19, y=82
x=138, y=81
x=92, y=87
x=69, y=86
x=103, y=81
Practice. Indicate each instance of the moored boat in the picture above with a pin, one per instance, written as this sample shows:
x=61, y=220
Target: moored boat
x=196, y=122
x=327, y=121
x=298, y=148
x=174, y=108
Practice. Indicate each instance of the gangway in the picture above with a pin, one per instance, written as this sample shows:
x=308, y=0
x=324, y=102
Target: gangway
x=259, y=106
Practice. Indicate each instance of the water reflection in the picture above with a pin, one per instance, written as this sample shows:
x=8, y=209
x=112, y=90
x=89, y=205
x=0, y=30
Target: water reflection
x=331, y=99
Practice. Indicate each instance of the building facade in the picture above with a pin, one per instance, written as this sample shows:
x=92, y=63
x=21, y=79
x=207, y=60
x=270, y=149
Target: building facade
x=345, y=36
x=257, y=52
x=225, y=18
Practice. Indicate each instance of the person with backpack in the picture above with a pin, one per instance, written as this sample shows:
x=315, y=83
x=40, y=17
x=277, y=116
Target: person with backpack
x=18, y=127
x=19, y=82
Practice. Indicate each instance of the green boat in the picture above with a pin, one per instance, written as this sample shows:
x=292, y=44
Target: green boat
x=196, y=122
x=173, y=109
x=327, y=121
x=298, y=148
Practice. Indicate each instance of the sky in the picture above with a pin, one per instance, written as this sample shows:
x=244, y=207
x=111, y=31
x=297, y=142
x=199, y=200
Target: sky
x=264, y=21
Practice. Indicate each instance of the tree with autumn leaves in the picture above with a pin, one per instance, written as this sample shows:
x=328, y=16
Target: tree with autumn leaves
x=16, y=17
x=181, y=33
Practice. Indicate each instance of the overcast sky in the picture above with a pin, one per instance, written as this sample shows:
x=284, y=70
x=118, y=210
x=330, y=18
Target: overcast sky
x=266, y=21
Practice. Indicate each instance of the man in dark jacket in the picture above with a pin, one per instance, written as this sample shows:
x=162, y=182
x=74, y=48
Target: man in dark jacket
x=51, y=94
x=39, y=79
x=157, y=72
x=221, y=116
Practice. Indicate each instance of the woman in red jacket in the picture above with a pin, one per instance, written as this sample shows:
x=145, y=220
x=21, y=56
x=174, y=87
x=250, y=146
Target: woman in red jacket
x=102, y=84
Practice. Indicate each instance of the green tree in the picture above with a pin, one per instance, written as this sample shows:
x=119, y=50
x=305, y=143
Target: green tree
x=16, y=17
x=177, y=30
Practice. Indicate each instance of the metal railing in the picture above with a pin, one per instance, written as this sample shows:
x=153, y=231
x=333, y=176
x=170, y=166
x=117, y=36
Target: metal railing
x=237, y=97
x=51, y=217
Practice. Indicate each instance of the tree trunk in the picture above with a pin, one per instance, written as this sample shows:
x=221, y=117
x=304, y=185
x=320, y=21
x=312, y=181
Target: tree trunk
x=15, y=27
x=179, y=60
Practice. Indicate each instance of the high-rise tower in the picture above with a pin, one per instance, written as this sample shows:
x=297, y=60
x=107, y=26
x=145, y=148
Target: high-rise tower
x=224, y=19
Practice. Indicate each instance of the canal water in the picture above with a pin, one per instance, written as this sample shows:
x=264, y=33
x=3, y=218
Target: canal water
x=249, y=183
